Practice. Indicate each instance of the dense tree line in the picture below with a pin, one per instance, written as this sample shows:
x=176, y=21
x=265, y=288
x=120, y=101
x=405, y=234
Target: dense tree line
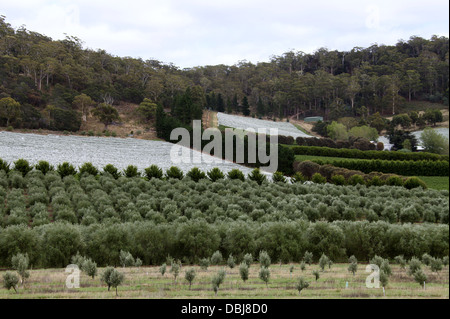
x=44, y=75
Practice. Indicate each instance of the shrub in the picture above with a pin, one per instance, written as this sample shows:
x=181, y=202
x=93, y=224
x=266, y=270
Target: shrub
x=278, y=177
x=175, y=173
x=154, y=172
x=414, y=182
x=394, y=181
x=44, y=167
x=190, y=276
x=204, y=263
x=88, y=168
x=353, y=268
x=307, y=168
x=264, y=275
x=248, y=259
x=264, y=259
x=112, y=278
x=196, y=174
x=230, y=261
x=22, y=165
x=420, y=277
x=436, y=265
x=426, y=259
x=302, y=284
x=162, y=269
x=175, y=270
x=308, y=257
x=298, y=178
x=20, y=263
x=215, y=174
x=384, y=278
x=112, y=170
x=131, y=171
x=338, y=180
x=236, y=174
x=89, y=267
x=4, y=166
x=257, y=176
x=243, y=271
x=323, y=261
x=126, y=259
x=401, y=261
x=216, y=258
x=414, y=266
x=66, y=169
x=316, y=274
x=317, y=178
x=10, y=280
x=356, y=180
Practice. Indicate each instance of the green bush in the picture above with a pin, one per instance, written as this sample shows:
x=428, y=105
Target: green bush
x=215, y=174
x=23, y=166
x=236, y=174
x=131, y=171
x=338, y=180
x=88, y=168
x=196, y=174
x=278, y=177
x=44, y=167
x=10, y=280
x=153, y=172
x=414, y=182
x=356, y=180
x=66, y=169
x=317, y=178
x=112, y=170
x=175, y=173
x=4, y=166
x=257, y=176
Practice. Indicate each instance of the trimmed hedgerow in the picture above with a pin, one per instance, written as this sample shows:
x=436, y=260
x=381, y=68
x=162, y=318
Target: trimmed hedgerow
x=358, y=154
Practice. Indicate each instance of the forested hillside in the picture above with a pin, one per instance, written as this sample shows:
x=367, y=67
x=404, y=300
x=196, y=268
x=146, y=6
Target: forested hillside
x=47, y=78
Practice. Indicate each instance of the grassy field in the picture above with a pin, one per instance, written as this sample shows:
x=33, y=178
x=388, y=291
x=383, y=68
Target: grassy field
x=147, y=282
x=436, y=182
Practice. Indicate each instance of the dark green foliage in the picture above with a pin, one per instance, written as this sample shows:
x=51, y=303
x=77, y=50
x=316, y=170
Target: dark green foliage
x=88, y=168
x=257, y=176
x=216, y=258
x=236, y=174
x=10, y=280
x=154, y=172
x=278, y=177
x=316, y=274
x=44, y=167
x=190, y=276
x=4, y=166
x=215, y=174
x=174, y=172
x=243, y=271
x=317, y=178
x=298, y=178
x=369, y=155
x=131, y=171
x=264, y=275
x=196, y=174
x=338, y=180
x=112, y=170
x=420, y=277
x=66, y=169
x=414, y=182
x=22, y=166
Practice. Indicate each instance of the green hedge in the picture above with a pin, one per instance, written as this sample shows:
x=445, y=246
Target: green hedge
x=406, y=168
x=354, y=153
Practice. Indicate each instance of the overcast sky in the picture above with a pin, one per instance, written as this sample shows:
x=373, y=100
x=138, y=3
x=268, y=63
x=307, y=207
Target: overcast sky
x=191, y=33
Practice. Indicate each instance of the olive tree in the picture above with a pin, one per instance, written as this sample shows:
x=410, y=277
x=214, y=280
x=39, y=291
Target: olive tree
x=264, y=275
x=10, y=280
x=301, y=284
x=112, y=278
x=264, y=259
x=243, y=271
x=20, y=263
x=190, y=276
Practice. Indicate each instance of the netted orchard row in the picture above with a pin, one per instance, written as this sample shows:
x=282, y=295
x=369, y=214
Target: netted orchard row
x=54, y=244
x=38, y=199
